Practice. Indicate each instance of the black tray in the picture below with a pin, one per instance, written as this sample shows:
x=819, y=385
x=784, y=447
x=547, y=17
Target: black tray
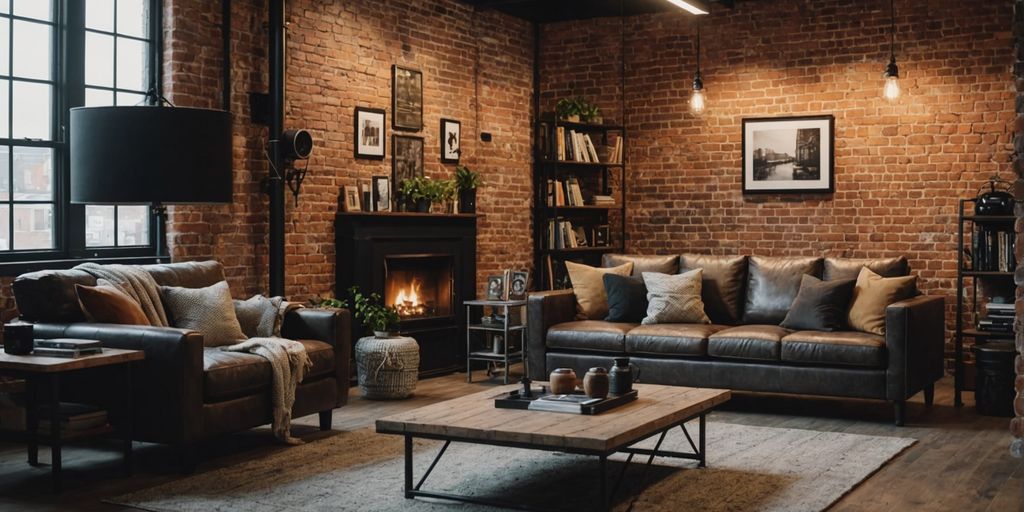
x=515, y=400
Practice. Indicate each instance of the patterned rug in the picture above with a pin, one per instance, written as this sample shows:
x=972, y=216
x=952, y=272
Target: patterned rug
x=749, y=468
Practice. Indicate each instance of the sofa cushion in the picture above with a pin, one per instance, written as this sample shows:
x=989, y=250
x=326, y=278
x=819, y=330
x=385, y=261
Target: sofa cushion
x=258, y=316
x=849, y=268
x=722, y=287
x=674, y=298
x=772, y=284
x=872, y=295
x=671, y=339
x=835, y=348
x=208, y=310
x=108, y=305
x=627, y=298
x=755, y=342
x=588, y=285
x=819, y=305
x=589, y=335
x=49, y=295
x=187, y=274
x=228, y=375
x=662, y=264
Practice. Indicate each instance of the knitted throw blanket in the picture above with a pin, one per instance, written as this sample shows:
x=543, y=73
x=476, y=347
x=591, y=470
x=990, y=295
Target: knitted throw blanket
x=134, y=282
x=289, y=362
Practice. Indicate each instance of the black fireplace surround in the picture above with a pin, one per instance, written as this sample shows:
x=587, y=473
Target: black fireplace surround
x=433, y=255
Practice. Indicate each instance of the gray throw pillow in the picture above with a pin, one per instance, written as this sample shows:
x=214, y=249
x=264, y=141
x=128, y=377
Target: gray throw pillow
x=258, y=315
x=208, y=310
x=674, y=298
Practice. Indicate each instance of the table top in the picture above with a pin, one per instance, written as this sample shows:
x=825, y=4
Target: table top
x=475, y=418
x=482, y=302
x=42, y=364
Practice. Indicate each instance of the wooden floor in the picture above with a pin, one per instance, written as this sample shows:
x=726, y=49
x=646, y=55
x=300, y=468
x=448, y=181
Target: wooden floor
x=961, y=461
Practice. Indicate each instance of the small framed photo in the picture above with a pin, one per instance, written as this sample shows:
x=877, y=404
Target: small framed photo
x=406, y=99
x=406, y=158
x=381, y=194
x=369, y=133
x=518, y=284
x=496, y=287
x=601, y=236
x=365, y=196
x=788, y=155
x=451, y=148
x=351, y=198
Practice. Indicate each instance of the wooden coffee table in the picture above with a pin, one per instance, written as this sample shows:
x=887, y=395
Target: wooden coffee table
x=474, y=419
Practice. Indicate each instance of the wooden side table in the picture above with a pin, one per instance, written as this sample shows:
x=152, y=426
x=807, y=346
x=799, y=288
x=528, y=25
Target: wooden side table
x=45, y=373
x=506, y=329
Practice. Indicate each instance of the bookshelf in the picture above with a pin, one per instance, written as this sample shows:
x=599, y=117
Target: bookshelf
x=579, y=202
x=985, y=270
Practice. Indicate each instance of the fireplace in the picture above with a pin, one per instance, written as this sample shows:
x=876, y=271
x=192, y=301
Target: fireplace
x=424, y=265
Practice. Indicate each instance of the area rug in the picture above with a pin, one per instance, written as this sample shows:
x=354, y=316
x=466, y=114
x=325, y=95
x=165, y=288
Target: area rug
x=749, y=468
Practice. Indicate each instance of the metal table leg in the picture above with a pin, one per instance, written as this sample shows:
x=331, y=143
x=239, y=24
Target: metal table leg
x=55, y=441
x=32, y=419
x=129, y=418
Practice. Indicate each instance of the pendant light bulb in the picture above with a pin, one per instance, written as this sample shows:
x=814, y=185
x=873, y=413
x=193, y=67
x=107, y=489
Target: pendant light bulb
x=697, y=104
x=892, y=88
x=891, y=92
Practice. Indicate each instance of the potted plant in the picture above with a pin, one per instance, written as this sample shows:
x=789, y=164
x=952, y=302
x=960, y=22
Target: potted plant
x=381, y=319
x=568, y=110
x=443, y=192
x=414, y=196
x=589, y=113
x=467, y=182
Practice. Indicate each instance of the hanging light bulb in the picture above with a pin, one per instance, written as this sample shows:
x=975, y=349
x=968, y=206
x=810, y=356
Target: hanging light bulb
x=892, y=71
x=697, y=103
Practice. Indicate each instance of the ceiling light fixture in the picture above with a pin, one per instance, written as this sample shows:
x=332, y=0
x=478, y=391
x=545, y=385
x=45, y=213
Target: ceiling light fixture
x=697, y=104
x=892, y=71
x=691, y=6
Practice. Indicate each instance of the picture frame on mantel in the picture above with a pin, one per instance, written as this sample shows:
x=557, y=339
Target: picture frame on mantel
x=451, y=141
x=406, y=98
x=789, y=155
x=369, y=133
x=406, y=158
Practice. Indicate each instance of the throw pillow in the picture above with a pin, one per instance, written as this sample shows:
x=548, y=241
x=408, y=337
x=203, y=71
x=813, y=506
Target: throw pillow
x=108, y=305
x=258, y=315
x=674, y=298
x=872, y=294
x=208, y=310
x=587, y=284
x=627, y=298
x=819, y=305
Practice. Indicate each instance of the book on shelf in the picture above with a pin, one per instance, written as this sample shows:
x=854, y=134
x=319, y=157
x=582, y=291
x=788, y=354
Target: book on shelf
x=602, y=200
x=562, y=234
x=992, y=250
x=564, y=192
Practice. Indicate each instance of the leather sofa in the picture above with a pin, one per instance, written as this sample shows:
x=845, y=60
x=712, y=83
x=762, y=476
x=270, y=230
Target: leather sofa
x=185, y=393
x=745, y=348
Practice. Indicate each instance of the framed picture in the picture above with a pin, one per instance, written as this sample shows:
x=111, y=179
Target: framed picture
x=351, y=198
x=518, y=284
x=451, y=148
x=366, y=197
x=495, y=287
x=406, y=158
x=381, y=194
x=601, y=236
x=369, y=133
x=406, y=99
x=785, y=155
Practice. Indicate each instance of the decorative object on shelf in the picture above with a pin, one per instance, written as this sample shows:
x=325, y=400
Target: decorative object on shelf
x=496, y=287
x=406, y=99
x=351, y=198
x=406, y=158
x=595, y=382
x=518, y=285
x=388, y=367
x=995, y=202
x=786, y=155
x=369, y=133
x=381, y=194
x=697, y=103
x=366, y=196
x=451, y=148
x=562, y=381
x=891, y=75
x=498, y=344
x=601, y=236
x=622, y=376
x=18, y=339
x=578, y=110
x=420, y=193
x=467, y=182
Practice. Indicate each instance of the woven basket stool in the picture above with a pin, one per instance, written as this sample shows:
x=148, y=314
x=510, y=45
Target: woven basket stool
x=388, y=367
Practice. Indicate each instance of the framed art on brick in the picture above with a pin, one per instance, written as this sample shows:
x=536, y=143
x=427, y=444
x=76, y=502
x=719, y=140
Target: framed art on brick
x=789, y=155
x=369, y=133
x=451, y=140
x=406, y=158
x=406, y=99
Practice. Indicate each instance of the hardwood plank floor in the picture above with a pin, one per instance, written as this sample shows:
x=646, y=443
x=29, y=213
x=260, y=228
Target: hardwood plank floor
x=960, y=462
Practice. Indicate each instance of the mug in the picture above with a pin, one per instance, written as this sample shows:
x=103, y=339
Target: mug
x=18, y=339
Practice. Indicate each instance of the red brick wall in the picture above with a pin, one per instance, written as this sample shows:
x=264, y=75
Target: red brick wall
x=477, y=68
x=899, y=169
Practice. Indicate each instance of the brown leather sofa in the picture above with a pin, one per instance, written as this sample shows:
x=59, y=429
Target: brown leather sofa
x=183, y=392
x=745, y=348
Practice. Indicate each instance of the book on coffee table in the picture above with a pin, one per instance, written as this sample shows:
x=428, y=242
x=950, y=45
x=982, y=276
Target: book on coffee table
x=66, y=347
x=573, y=403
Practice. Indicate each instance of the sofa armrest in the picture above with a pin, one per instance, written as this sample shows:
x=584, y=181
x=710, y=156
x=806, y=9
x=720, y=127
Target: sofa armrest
x=167, y=385
x=915, y=331
x=332, y=326
x=544, y=309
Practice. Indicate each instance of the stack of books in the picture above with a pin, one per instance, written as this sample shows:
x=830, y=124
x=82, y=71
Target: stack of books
x=616, y=156
x=998, y=318
x=66, y=347
x=565, y=192
x=573, y=146
x=598, y=200
x=994, y=250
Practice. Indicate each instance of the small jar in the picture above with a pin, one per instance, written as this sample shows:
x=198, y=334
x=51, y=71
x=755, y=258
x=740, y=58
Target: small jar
x=563, y=381
x=595, y=382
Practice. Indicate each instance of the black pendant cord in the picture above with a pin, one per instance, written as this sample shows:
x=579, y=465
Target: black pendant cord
x=892, y=29
x=698, y=46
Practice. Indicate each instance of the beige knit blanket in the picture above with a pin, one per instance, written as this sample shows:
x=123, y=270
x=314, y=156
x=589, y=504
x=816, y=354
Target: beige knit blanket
x=134, y=282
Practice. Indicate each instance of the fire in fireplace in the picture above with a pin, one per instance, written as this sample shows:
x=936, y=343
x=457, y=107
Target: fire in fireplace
x=419, y=286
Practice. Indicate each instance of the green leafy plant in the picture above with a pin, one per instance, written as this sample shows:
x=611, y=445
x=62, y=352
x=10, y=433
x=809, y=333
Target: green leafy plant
x=567, y=107
x=413, y=189
x=439, y=191
x=465, y=179
x=370, y=309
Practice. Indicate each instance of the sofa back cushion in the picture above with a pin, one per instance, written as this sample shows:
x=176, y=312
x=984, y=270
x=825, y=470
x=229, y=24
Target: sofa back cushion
x=722, y=284
x=660, y=264
x=108, y=305
x=772, y=284
x=849, y=268
x=187, y=274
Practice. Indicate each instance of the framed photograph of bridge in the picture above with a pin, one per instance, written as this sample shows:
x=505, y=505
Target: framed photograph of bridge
x=789, y=155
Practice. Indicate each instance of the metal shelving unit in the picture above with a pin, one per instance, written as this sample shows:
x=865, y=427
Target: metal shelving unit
x=510, y=353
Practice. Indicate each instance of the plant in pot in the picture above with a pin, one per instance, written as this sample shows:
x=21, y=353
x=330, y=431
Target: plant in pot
x=413, y=192
x=568, y=109
x=442, y=192
x=467, y=182
x=589, y=113
x=370, y=309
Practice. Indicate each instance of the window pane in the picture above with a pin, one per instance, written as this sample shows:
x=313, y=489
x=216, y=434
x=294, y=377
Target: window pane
x=38, y=9
x=33, y=226
x=98, y=98
x=133, y=17
x=99, y=15
x=32, y=103
x=33, y=174
x=5, y=228
x=5, y=184
x=132, y=225
x=99, y=59
x=5, y=6
x=32, y=56
x=5, y=46
x=5, y=87
x=130, y=99
x=132, y=64
x=99, y=226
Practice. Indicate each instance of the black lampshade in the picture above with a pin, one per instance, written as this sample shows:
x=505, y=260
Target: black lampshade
x=149, y=154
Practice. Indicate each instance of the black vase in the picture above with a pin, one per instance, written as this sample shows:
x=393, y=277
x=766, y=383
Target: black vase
x=423, y=206
x=467, y=200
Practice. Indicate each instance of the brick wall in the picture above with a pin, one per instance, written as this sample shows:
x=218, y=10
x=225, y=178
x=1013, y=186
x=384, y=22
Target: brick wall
x=900, y=169
x=477, y=69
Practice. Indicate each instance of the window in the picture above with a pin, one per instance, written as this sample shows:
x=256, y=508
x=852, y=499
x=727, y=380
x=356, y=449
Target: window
x=108, y=55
